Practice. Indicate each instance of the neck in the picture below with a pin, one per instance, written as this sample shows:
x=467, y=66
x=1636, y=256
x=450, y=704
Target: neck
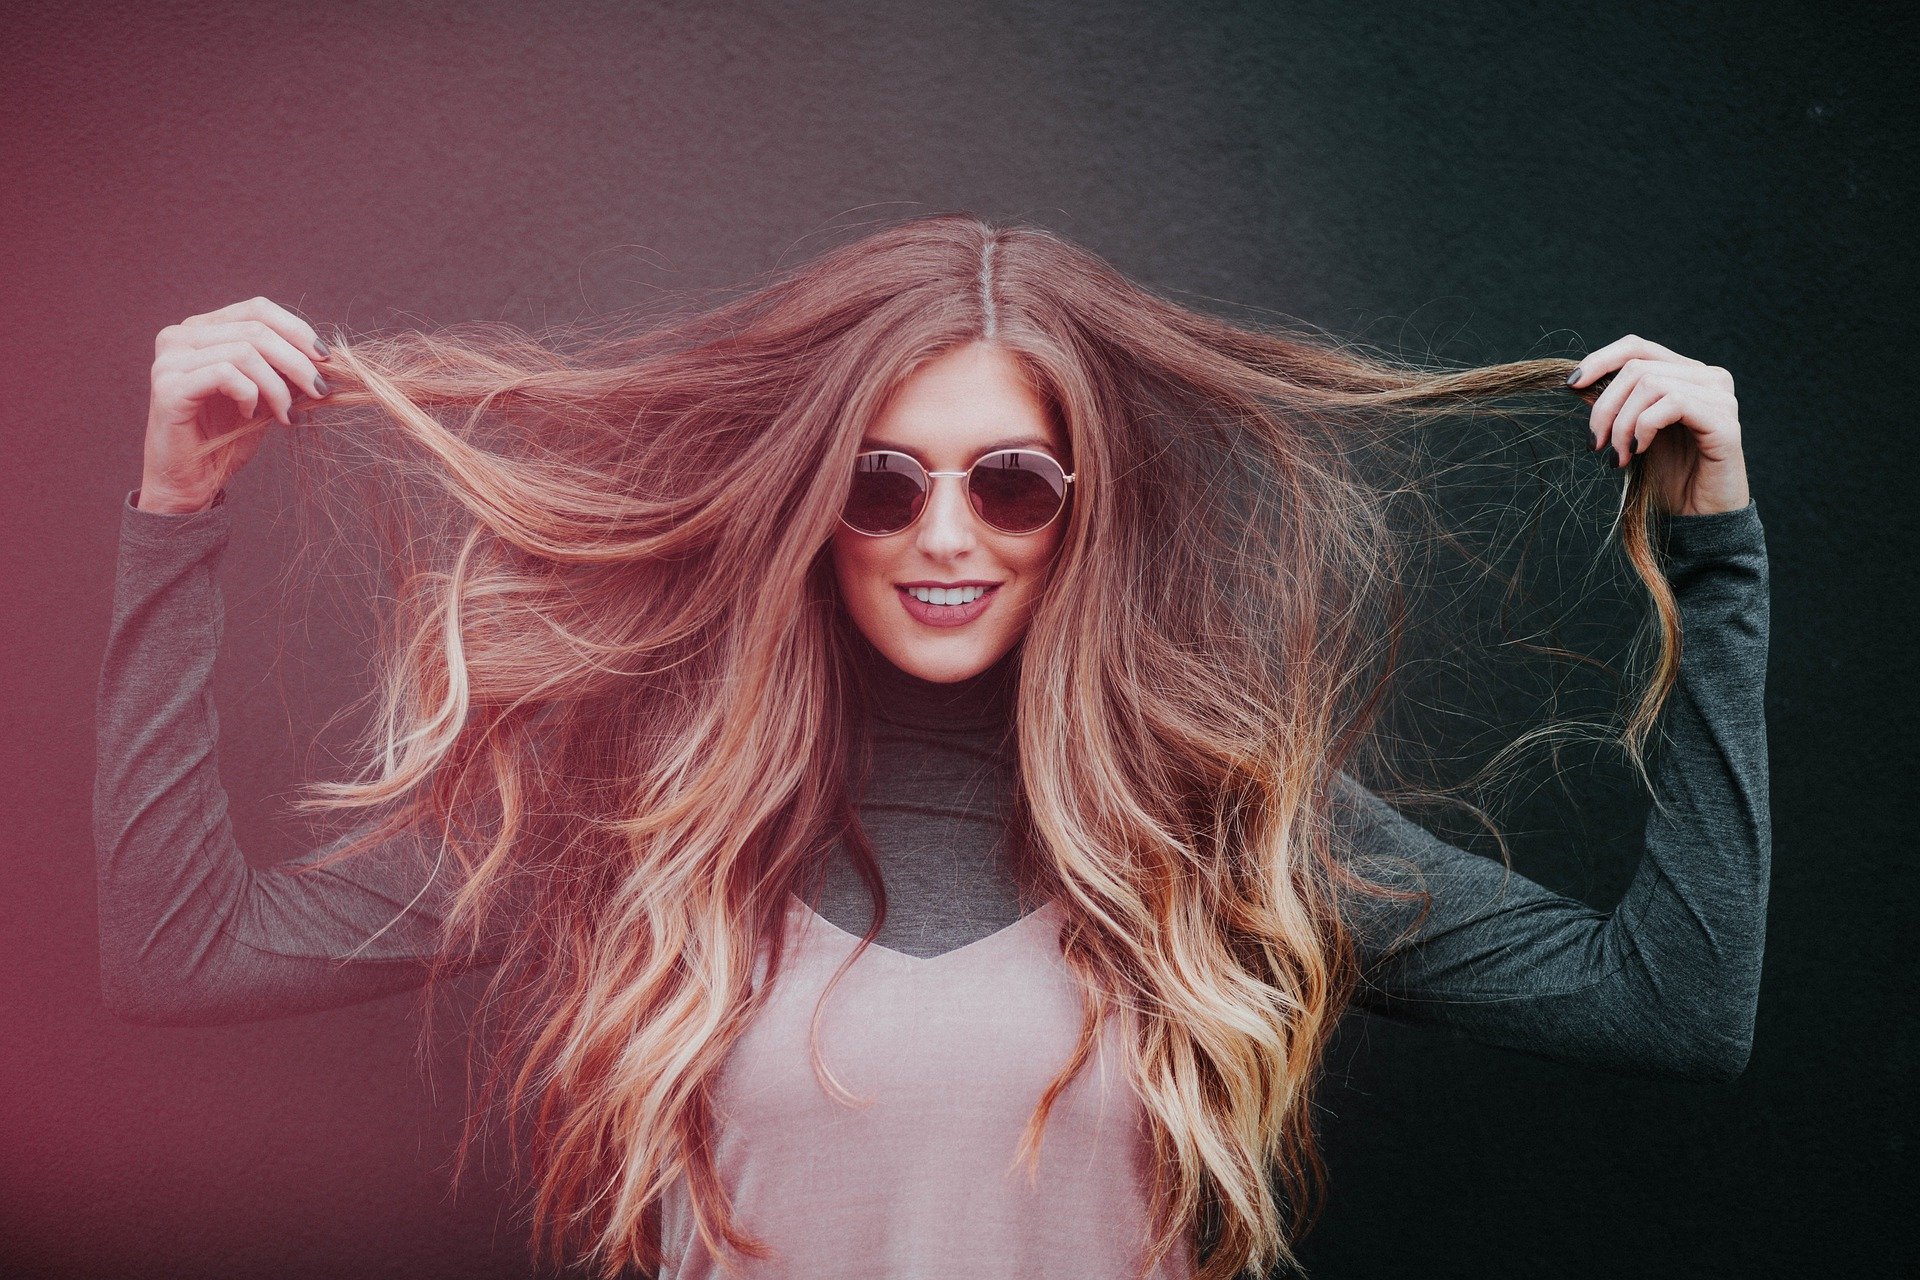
x=981, y=701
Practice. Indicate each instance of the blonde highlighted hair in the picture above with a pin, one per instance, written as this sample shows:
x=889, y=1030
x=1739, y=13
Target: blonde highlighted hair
x=613, y=634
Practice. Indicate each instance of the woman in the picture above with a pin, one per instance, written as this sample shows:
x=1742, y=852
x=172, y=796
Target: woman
x=953, y=629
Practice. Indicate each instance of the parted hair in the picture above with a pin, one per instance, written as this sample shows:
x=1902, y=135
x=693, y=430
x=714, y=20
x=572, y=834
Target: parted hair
x=615, y=685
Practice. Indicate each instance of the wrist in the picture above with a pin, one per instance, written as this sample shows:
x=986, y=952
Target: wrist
x=1714, y=486
x=1717, y=501
x=161, y=501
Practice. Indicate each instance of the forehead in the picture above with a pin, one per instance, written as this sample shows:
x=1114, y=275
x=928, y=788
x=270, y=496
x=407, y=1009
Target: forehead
x=965, y=403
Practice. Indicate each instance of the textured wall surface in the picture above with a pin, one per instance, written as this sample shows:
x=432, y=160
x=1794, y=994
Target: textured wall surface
x=1484, y=181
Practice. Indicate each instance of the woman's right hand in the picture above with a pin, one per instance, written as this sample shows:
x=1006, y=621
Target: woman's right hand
x=211, y=373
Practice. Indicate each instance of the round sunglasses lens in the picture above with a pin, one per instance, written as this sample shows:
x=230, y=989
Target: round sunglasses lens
x=886, y=493
x=1017, y=492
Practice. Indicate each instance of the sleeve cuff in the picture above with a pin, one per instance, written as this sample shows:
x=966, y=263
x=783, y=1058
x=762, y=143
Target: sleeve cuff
x=204, y=527
x=1707, y=537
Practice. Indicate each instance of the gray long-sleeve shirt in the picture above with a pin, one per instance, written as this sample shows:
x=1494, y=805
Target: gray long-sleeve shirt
x=192, y=933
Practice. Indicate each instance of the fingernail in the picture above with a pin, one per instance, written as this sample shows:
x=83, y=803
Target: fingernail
x=1574, y=376
x=319, y=385
x=321, y=349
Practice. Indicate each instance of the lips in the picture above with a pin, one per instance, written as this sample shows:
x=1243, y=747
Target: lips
x=945, y=615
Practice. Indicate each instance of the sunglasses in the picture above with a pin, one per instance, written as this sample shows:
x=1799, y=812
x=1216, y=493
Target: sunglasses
x=1014, y=490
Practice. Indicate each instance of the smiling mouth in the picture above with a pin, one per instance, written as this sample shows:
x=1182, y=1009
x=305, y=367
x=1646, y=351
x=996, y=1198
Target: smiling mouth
x=945, y=615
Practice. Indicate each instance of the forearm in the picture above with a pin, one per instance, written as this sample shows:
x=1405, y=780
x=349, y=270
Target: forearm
x=1667, y=981
x=190, y=932
x=1693, y=919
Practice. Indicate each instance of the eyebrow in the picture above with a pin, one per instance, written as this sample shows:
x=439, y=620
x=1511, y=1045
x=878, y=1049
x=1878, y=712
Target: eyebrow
x=1015, y=442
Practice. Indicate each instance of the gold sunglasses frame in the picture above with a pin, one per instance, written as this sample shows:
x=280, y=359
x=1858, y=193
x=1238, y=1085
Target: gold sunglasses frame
x=933, y=477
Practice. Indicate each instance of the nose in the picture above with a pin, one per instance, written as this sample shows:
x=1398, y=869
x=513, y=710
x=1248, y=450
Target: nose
x=947, y=527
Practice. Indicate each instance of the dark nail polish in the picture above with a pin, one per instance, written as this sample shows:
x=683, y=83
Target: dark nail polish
x=1574, y=376
x=321, y=349
x=319, y=385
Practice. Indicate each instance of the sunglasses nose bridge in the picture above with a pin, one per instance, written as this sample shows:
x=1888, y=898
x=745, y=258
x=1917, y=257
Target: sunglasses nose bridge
x=933, y=489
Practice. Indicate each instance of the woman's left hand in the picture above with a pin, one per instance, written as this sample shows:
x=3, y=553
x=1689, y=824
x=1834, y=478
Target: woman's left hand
x=1694, y=472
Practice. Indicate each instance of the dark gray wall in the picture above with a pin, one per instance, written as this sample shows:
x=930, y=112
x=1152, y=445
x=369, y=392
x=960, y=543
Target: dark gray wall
x=1487, y=181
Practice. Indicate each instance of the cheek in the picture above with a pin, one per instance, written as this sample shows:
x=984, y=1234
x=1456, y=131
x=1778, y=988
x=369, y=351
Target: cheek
x=856, y=562
x=1038, y=557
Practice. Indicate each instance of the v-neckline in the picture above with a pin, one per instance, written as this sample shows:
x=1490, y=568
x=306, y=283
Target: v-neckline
x=903, y=959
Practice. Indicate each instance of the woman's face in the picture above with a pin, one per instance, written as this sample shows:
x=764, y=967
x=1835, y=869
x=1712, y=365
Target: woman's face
x=970, y=401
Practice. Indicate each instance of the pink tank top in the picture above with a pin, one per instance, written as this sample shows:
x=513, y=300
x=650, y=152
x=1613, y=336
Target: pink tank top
x=954, y=1051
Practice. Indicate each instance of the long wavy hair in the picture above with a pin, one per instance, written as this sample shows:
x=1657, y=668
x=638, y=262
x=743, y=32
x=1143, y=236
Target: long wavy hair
x=615, y=683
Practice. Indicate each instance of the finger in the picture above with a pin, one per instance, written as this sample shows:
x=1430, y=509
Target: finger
x=244, y=357
x=1615, y=355
x=272, y=314
x=1610, y=419
x=197, y=385
x=1669, y=408
x=292, y=362
x=1648, y=386
x=1606, y=406
x=1646, y=390
x=1690, y=371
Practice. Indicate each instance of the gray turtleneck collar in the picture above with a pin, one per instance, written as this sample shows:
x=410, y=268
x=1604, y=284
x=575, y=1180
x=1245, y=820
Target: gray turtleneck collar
x=983, y=701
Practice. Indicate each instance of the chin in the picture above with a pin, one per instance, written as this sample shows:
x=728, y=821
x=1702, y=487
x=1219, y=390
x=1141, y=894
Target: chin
x=942, y=664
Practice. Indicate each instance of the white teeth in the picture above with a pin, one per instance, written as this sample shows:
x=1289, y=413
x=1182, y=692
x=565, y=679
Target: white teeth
x=947, y=595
